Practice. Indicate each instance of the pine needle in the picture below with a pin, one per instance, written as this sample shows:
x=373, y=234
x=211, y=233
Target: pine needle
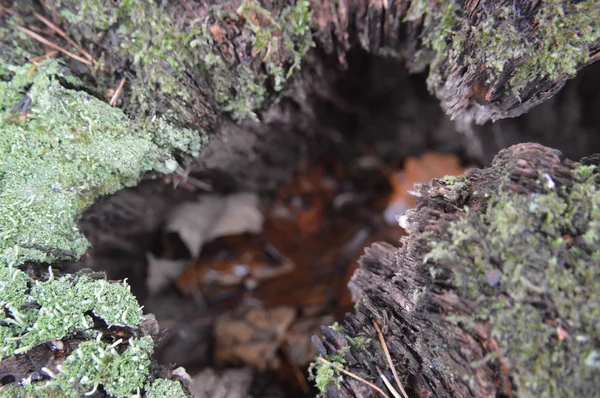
x=344, y=371
x=389, y=359
x=48, y=43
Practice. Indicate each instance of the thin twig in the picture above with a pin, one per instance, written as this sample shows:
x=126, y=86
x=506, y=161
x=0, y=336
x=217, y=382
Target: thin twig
x=49, y=54
x=52, y=45
x=6, y=10
x=62, y=33
x=344, y=371
x=389, y=358
x=115, y=97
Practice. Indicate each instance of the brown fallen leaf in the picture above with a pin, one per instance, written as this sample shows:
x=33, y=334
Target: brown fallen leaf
x=232, y=260
x=418, y=169
x=196, y=223
x=213, y=216
x=252, y=338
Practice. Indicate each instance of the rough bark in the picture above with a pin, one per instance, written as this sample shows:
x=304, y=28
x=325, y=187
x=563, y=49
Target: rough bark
x=488, y=60
x=429, y=305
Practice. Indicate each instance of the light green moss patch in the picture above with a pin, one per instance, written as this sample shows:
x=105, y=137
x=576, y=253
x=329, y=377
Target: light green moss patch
x=567, y=32
x=322, y=373
x=534, y=271
x=34, y=311
x=59, y=150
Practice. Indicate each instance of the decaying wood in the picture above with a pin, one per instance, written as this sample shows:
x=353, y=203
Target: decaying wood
x=435, y=356
x=467, y=92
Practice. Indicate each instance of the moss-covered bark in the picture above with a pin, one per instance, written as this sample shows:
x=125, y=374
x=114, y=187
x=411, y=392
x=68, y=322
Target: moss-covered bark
x=184, y=67
x=495, y=290
x=62, y=146
x=487, y=59
x=60, y=149
x=197, y=60
x=186, y=63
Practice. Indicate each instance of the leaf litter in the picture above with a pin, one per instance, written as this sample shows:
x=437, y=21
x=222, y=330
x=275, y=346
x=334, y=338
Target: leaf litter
x=273, y=270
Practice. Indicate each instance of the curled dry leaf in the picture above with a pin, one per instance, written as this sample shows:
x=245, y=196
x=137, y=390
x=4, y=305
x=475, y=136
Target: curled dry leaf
x=254, y=337
x=418, y=169
x=213, y=216
x=196, y=223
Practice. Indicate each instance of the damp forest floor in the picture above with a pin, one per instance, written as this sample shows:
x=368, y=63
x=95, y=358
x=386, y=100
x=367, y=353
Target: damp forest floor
x=259, y=295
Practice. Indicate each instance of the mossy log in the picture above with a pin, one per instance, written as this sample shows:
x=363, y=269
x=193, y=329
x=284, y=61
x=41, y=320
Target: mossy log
x=198, y=64
x=487, y=59
x=494, y=292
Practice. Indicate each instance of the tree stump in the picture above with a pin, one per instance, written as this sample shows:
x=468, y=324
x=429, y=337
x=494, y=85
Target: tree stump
x=494, y=292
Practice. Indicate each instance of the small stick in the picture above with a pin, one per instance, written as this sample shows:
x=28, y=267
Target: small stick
x=389, y=358
x=62, y=33
x=52, y=45
x=49, y=54
x=115, y=97
x=344, y=371
x=6, y=10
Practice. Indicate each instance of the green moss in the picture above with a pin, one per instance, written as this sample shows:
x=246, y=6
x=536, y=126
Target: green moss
x=534, y=269
x=584, y=173
x=358, y=343
x=164, y=46
x=322, y=373
x=439, y=25
x=565, y=34
x=33, y=312
x=59, y=150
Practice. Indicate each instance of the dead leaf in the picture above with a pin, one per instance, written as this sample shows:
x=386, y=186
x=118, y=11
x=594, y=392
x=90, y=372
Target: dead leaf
x=232, y=260
x=253, y=338
x=162, y=271
x=428, y=166
x=213, y=216
x=197, y=223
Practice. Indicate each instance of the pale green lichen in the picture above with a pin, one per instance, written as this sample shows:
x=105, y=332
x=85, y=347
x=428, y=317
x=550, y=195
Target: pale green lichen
x=97, y=363
x=37, y=311
x=534, y=271
x=34, y=312
x=59, y=150
x=161, y=388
